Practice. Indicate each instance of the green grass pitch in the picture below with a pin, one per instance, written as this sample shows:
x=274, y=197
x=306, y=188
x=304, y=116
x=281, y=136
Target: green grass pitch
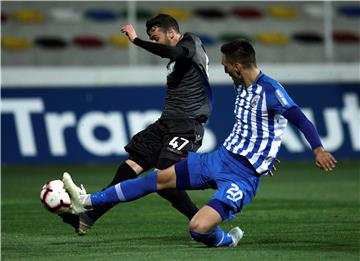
x=299, y=214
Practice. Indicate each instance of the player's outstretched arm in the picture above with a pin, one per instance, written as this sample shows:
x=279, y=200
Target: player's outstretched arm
x=162, y=50
x=324, y=159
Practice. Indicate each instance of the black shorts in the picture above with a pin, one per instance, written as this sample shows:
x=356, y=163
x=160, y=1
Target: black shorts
x=169, y=139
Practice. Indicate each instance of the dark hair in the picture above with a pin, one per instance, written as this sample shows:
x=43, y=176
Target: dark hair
x=240, y=51
x=163, y=21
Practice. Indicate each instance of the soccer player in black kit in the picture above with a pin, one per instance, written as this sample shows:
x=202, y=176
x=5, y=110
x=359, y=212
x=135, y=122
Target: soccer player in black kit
x=180, y=127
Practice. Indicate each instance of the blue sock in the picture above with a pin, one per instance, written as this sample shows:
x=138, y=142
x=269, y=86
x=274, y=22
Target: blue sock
x=126, y=191
x=215, y=238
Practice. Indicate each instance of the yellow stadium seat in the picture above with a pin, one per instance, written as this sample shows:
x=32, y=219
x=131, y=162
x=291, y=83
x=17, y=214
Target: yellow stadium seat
x=178, y=14
x=281, y=12
x=273, y=38
x=15, y=43
x=29, y=16
x=119, y=41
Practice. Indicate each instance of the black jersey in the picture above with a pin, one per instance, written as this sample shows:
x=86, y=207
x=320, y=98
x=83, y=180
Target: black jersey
x=188, y=89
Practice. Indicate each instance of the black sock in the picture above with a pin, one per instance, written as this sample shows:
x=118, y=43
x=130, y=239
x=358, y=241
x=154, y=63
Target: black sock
x=123, y=173
x=181, y=201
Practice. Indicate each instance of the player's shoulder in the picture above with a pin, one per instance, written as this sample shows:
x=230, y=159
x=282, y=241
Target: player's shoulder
x=269, y=84
x=190, y=35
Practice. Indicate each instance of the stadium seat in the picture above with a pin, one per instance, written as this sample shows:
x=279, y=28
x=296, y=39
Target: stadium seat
x=63, y=14
x=314, y=10
x=206, y=39
x=210, y=13
x=88, y=41
x=345, y=37
x=246, y=13
x=144, y=14
x=3, y=18
x=100, y=15
x=272, y=38
x=282, y=12
x=29, y=16
x=178, y=14
x=227, y=37
x=350, y=11
x=49, y=42
x=15, y=43
x=141, y=14
x=307, y=37
x=120, y=41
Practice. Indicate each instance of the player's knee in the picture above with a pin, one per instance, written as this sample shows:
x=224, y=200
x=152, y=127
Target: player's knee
x=135, y=167
x=166, y=178
x=198, y=226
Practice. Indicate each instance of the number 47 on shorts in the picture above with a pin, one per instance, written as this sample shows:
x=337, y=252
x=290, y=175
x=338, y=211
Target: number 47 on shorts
x=178, y=143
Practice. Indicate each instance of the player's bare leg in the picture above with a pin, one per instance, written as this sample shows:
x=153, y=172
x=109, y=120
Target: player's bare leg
x=204, y=228
x=205, y=220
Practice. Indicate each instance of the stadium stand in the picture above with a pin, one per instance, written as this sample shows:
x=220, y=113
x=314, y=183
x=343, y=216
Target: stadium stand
x=272, y=38
x=14, y=43
x=178, y=14
x=246, y=13
x=349, y=11
x=207, y=39
x=100, y=15
x=313, y=10
x=210, y=13
x=88, y=41
x=308, y=37
x=299, y=26
x=65, y=15
x=120, y=41
x=29, y=16
x=141, y=14
x=345, y=37
x=3, y=18
x=50, y=42
x=227, y=37
x=282, y=12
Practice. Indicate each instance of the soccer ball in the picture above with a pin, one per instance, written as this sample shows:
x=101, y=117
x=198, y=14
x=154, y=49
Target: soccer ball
x=55, y=198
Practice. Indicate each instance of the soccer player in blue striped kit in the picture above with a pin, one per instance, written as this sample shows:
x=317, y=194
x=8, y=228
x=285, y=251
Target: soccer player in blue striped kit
x=262, y=109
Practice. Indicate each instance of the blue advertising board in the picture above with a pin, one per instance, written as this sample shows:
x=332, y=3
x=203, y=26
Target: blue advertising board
x=93, y=124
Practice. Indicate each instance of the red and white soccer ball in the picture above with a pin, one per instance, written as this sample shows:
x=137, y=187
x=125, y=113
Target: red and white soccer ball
x=55, y=198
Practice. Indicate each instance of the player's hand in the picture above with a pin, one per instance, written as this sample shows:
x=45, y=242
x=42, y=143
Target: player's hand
x=273, y=169
x=129, y=31
x=324, y=159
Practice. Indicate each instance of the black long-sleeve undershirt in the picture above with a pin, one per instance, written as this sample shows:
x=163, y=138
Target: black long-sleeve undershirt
x=164, y=51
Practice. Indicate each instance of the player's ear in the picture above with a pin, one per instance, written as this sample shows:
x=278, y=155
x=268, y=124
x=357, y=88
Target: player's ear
x=171, y=33
x=238, y=67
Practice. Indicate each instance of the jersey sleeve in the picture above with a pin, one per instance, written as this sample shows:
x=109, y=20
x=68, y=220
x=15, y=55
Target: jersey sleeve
x=187, y=43
x=278, y=99
x=164, y=51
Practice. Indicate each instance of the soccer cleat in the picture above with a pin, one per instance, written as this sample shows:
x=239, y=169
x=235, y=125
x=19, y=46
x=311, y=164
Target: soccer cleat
x=236, y=233
x=81, y=223
x=77, y=195
x=71, y=219
x=85, y=224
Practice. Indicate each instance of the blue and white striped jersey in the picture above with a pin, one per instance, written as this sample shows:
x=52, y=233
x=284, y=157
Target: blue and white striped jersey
x=259, y=125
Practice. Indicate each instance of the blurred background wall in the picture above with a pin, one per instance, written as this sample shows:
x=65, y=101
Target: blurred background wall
x=74, y=90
